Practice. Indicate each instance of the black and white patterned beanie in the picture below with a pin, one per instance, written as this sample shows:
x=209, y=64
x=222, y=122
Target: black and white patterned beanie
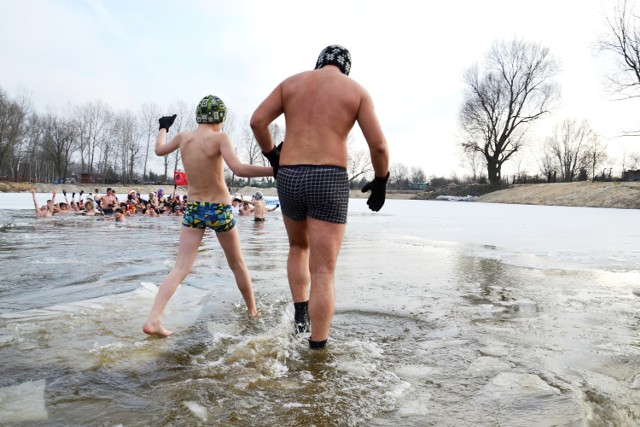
x=335, y=55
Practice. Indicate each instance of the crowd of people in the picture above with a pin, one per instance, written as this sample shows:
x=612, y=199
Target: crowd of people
x=157, y=203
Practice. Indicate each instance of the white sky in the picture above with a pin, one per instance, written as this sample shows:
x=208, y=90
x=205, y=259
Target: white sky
x=409, y=54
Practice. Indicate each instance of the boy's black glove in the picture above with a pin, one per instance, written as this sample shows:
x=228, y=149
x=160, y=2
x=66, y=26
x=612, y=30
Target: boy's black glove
x=274, y=159
x=166, y=122
x=378, y=189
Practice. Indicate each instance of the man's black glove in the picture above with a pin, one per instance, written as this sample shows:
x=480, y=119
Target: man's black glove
x=274, y=158
x=378, y=189
x=166, y=122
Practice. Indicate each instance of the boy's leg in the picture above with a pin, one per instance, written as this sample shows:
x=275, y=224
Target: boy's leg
x=190, y=239
x=230, y=243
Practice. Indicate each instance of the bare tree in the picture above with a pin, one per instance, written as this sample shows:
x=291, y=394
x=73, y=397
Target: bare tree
x=60, y=143
x=476, y=163
x=418, y=176
x=94, y=121
x=569, y=146
x=623, y=42
x=13, y=117
x=129, y=152
x=149, y=115
x=359, y=161
x=399, y=176
x=502, y=99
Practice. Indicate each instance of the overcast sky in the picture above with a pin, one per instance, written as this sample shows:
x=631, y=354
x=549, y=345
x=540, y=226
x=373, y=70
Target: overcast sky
x=410, y=55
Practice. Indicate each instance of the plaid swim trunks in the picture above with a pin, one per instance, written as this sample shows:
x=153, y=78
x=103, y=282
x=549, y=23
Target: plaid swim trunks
x=320, y=192
x=217, y=216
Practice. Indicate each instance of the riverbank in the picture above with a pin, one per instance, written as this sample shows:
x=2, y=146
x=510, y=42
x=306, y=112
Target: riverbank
x=621, y=195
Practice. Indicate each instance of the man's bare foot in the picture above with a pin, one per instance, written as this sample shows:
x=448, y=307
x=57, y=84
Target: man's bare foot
x=156, y=329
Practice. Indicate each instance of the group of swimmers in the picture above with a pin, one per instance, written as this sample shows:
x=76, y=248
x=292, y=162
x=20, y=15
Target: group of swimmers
x=158, y=204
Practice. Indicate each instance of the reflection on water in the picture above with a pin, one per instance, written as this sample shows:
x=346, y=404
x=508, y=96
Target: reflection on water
x=426, y=332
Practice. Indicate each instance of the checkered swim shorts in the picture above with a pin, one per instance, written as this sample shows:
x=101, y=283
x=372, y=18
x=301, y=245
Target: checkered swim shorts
x=320, y=192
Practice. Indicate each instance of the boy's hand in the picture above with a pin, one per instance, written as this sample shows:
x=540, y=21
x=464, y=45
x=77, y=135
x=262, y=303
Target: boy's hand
x=166, y=122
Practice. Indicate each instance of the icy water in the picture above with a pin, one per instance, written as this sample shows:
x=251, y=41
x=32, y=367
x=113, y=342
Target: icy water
x=448, y=314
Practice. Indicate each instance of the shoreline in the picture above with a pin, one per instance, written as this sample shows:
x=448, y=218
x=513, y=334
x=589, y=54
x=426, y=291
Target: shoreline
x=617, y=195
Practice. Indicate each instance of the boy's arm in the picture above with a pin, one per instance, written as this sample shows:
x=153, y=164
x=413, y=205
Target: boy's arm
x=237, y=167
x=162, y=147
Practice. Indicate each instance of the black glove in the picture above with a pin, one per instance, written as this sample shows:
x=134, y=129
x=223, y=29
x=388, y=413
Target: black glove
x=64, y=192
x=378, y=189
x=81, y=193
x=274, y=158
x=166, y=121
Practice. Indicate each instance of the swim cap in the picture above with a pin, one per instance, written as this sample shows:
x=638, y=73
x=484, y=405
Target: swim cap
x=160, y=192
x=335, y=55
x=211, y=110
x=258, y=195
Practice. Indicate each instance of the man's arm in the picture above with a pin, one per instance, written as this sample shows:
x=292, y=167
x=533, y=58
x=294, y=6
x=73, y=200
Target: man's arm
x=370, y=126
x=372, y=131
x=269, y=110
x=35, y=203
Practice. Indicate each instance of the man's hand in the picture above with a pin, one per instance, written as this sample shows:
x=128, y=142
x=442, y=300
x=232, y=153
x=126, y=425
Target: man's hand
x=378, y=189
x=274, y=159
x=166, y=122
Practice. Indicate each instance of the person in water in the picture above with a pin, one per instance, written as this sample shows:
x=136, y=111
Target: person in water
x=320, y=107
x=259, y=207
x=203, y=151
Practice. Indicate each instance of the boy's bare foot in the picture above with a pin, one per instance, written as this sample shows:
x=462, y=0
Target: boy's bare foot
x=156, y=329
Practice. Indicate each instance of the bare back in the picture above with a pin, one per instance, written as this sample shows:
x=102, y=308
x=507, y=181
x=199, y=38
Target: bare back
x=320, y=108
x=202, y=159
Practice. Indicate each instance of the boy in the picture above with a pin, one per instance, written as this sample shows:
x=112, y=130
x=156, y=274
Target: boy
x=208, y=202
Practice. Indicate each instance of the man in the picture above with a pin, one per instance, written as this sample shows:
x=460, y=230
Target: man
x=42, y=211
x=209, y=204
x=259, y=208
x=320, y=108
x=108, y=202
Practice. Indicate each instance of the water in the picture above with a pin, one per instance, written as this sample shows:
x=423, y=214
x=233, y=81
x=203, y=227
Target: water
x=448, y=314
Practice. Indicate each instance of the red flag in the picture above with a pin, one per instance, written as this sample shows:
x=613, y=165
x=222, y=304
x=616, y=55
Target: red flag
x=180, y=178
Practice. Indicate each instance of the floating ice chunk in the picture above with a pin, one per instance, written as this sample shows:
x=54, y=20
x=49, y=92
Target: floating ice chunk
x=23, y=402
x=196, y=409
x=486, y=365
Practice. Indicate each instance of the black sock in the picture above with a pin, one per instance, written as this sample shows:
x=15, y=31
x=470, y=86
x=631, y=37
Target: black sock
x=301, y=316
x=317, y=345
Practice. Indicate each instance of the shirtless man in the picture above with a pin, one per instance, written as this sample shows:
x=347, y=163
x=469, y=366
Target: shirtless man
x=109, y=202
x=209, y=203
x=320, y=108
x=259, y=208
x=42, y=211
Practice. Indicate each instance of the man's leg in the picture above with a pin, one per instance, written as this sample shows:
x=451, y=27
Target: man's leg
x=325, y=240
x=230, y=242
x=190, y=239
x=298, y=270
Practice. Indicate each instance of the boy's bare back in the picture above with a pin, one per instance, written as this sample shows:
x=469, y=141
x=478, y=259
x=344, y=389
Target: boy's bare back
x=201, y=152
